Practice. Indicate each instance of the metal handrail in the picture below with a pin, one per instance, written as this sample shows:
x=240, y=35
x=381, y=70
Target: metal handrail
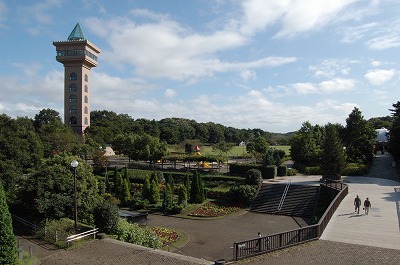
x=82, y=235
x=258, y=246
x=283, y=196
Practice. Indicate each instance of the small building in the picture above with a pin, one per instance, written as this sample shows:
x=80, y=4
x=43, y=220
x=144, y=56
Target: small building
x=382, y=140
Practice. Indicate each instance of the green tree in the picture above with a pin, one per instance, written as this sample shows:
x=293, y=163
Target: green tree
x=359, y=138
x=154, y=192
x=197, y=192
x=168, y=201
x=305, y=144
x=8, y=247
x=257, y=147
x=394, y=133
x=48, y=191
x=333, y=159
x=125, y=195
x=146, y=189
x=182, y=195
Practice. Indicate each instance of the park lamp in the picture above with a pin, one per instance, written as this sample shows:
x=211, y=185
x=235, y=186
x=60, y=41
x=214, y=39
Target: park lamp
x=74, y=165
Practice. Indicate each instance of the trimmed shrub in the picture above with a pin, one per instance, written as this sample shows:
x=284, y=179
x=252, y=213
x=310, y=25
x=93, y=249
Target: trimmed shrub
x=267, y=172
x=282, y=170
x=253, y=177
x=355, y=170
x=106, y=217
x=243, y=193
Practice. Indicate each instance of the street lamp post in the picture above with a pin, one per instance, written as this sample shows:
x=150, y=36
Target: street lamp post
x=74, y=164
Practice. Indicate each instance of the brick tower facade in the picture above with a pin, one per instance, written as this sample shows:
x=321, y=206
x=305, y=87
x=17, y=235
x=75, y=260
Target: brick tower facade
x=78, y=56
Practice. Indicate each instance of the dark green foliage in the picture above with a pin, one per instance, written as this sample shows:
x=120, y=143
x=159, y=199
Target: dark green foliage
x=332, y=156
x=267, y=172
x=106, y=217
x=253, y=177
x=157, y=176
x=353, y=169
x=282, y=170
x=243, y=193
x=125, y=195
x=359, y=138
x=146, y=189
x=8, y=247
x=48, y=192
x=154, y=193
x=182, y=195
x=394, y=139
x=305, y=144
x=197, y=192
x=168, y=201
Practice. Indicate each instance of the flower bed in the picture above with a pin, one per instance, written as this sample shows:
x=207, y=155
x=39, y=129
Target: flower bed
x=167, y=236
x=212, y=209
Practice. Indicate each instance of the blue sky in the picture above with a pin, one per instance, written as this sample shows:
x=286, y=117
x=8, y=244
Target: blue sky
x=247, y=64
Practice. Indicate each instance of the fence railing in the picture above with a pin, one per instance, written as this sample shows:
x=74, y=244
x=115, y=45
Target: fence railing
x=82, y=235
x=257, y=246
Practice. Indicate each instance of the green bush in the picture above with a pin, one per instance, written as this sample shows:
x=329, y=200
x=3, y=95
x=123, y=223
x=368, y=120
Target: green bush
x=243, y=193
x=253, y=177
x=292, y=172
x=354, y=169
x=282, y=170
x=267, y=172
x=106, y=217
x=133, y=233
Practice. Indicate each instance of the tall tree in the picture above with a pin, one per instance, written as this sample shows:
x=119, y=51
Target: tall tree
x=359, y=138
x=8, y=247
x=333, y=158
x=305, y=144
x=394, y=139
x=197, y=193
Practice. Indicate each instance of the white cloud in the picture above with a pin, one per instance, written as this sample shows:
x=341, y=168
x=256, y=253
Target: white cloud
x=353, y=34
x=294, y=16
x=169, y=93
x=328, y=86
x=330, y=68
x=167, y=50
x=390, y=40
x=379, y=76
x=248, y=74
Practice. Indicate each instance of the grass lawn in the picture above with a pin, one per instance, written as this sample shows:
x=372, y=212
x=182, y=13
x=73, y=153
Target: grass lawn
x=239, y=150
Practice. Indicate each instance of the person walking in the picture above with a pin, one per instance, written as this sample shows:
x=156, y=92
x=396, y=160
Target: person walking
x=357, y=204
x=367, y=205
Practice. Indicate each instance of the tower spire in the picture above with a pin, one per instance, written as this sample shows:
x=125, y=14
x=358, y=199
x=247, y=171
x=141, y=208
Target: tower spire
x=76, y=33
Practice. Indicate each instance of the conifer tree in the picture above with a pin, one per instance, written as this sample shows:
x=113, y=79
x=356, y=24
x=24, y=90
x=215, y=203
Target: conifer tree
x=168, y=201
x=197, y=194
x=8, y=247
x=182, y=195
x=146, y=189
x=154, y=192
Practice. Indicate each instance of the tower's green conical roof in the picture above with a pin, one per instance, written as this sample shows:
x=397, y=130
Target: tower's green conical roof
x=76, y=33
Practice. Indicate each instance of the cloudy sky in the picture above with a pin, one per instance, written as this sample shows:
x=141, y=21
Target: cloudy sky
x=248, y=64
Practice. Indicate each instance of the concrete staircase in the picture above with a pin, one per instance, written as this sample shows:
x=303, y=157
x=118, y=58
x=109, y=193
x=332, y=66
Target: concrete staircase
x=286, y=199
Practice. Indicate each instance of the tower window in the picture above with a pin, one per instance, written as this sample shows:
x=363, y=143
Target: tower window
x=86, y=99
x=86, y=88
x=86, y=110
x=86, y=78
x=73, y=120
x=72, y=87
x=72, y=98
x=73, y=109
x=73, y=76
x=86, y=121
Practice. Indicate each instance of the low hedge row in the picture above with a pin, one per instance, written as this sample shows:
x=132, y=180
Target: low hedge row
x=267, y=172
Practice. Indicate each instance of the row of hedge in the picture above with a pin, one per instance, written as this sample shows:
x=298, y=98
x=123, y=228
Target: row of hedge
x=267, y=172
